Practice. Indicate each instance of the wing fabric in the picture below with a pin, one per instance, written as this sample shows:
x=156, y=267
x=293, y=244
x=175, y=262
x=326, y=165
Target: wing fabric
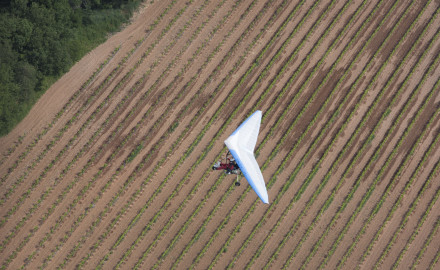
x=241, y=144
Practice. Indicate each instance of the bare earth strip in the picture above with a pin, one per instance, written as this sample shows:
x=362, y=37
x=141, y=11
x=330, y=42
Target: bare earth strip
x=112, y=167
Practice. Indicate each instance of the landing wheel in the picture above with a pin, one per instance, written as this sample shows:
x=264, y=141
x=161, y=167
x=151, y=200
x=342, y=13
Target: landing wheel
x=237, y=182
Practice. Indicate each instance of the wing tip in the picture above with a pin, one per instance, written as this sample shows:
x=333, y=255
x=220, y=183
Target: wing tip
x=264, y=198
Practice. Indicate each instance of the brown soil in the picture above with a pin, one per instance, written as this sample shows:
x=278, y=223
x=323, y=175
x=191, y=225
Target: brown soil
x=74, y=194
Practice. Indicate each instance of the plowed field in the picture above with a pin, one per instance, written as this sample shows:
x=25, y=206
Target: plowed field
x=112, y=167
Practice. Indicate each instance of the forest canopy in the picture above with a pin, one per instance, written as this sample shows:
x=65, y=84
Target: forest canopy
x=40, y=40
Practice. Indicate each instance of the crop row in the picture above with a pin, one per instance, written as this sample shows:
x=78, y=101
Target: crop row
x=413, y=205
x=311, y=123
x=88, y=101
x=365, y=197
x=242, y=17
x=177, y=212
x=333, y=166
x=326, y=204
x=293, y=124
x=267, y=90
x=12, y=149
x=413, y=235
x=176, y=122
x=83, y=127
x=399, y=172
x=185, y=226
x=145, y=138
x=419, y=225
x=180, y=95
x=285, y=160
x=47, y=192
x=181, y=160
x=52, y=143
x=286, y=186
x=27, y=193
x=92, y=223
x=64, y=172
x=139, y=241
x=428, y=241
x=201, y=158
x=237, y=228
x=29, y=147
x=390, y=185
x=249, y=211
x=293, y=101
x=420, y=165
x=243, y=101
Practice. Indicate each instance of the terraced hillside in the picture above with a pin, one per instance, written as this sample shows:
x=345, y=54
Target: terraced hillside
x=112, y=167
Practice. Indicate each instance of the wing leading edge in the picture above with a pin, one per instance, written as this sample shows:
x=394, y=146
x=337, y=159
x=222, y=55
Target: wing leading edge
x=241, y=144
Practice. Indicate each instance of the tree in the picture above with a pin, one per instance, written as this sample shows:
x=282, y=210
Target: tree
x=26, y=78
x=40, y=40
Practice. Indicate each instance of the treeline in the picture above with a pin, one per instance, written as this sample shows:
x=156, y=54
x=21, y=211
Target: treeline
x=40, y=40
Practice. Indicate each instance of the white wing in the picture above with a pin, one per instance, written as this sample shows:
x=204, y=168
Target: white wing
x=241, y=144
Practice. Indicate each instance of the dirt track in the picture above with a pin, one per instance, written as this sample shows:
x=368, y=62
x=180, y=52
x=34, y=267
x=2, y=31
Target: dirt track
x=112, y=167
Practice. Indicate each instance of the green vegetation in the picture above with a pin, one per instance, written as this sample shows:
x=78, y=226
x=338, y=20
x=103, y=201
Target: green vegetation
x=134, y=153
x=41, y=40
x=91, y=160
x=163, y=133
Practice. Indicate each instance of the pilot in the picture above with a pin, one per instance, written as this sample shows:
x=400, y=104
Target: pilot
x=231, y=167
